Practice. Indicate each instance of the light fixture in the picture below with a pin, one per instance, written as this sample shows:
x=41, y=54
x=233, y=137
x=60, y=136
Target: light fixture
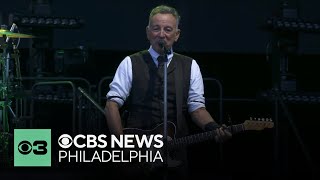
x=46, y=21
x=292, y=24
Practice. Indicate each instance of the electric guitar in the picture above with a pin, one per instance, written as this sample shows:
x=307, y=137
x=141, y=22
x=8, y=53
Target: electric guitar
x=253, y=124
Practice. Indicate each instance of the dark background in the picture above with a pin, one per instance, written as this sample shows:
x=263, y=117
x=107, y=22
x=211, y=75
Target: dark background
x=230, y=43
x=207, y=26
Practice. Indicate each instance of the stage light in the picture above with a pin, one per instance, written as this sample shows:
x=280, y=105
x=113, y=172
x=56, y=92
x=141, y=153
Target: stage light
x=41, y=20
x=292, y=97
x=46, y=21
x=56, y=21
x=64, y=22
x=49, y=21
x=25, y=20
x=33, y=20
x=292, y=24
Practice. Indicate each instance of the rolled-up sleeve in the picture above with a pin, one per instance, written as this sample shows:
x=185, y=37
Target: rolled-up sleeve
x=196, y=98
x=121, y=84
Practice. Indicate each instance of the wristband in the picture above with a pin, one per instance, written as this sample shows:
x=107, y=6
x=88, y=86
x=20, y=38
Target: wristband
x=211, y=126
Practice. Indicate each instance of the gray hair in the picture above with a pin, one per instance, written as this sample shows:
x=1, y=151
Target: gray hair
x=163, y=9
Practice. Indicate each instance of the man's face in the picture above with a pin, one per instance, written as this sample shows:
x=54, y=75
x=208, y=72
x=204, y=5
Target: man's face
x=162, y=27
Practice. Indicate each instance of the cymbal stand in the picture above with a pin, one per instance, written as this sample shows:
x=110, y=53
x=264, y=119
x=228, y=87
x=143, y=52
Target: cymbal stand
x=18, y=87
x=4, y=88
x=5, y=102
x=7, y=86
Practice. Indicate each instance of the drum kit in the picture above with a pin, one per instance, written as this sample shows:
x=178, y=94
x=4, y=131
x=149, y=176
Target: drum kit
x=10, y=79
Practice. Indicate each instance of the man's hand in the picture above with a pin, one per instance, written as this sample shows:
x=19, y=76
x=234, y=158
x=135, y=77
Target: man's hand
x=222, y=134
x=204, y=120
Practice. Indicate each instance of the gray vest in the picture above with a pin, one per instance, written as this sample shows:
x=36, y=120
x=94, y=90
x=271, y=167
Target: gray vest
x=146, y=96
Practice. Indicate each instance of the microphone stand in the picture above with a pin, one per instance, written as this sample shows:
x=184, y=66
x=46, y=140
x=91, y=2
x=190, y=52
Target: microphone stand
x=91, y=100
x=165, y=113
x=83, y=92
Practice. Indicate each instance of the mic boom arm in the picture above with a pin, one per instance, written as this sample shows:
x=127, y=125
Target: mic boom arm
x=91, y=100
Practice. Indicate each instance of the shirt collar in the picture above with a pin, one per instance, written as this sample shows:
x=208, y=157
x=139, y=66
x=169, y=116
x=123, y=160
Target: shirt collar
x=155, y=55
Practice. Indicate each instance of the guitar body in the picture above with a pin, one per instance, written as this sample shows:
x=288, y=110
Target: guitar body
x=159, y=129
x=171, y=127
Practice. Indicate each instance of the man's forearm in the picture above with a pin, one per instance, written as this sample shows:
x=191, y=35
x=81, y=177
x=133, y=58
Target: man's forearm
x=201, y=117
x=204, y=120
x=113, y=118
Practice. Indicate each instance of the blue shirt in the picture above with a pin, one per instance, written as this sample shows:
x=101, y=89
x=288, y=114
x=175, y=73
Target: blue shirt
x=121, y=85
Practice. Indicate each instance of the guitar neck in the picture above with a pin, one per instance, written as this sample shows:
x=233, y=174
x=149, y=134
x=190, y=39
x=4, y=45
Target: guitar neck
x=197, y=138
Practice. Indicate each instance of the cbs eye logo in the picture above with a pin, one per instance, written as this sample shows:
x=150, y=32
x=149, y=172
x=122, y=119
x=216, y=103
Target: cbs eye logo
x=38, y=147
x=65, y=141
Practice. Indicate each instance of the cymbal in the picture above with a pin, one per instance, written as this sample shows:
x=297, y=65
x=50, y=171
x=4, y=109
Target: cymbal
x=4, y=32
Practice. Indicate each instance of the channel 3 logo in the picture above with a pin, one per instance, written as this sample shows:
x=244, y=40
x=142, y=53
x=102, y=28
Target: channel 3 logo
x=32, y=147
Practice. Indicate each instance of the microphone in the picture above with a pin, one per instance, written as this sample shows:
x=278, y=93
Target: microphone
x=13, y=27
x=161, y=44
